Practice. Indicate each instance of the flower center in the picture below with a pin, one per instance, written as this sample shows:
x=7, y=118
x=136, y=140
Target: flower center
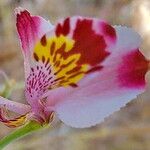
x=55, y=52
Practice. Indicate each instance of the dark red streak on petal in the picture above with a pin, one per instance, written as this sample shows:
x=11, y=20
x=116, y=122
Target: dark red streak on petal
x=43, y=59
x=48, y=60
x=94, y=69
x=64, y=66
x=73, y=85
x=35, y=56
x=61, y=50
x=133, y=69
x=76, y=69
x=109, y=30
x=60, y=78
x=76, y=74
x=63, y=28
x=52, y=48
x=90, y=45
x=43, y=40
x=57, y=63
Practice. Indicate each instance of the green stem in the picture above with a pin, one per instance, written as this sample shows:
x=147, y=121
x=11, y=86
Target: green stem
x=29, y=128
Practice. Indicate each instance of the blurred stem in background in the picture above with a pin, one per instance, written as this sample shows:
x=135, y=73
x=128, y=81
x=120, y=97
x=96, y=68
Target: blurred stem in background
x=8, y=85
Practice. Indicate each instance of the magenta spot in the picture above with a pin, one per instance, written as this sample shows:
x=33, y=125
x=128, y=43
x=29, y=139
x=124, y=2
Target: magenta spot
x=133, y=69
x=32, y=69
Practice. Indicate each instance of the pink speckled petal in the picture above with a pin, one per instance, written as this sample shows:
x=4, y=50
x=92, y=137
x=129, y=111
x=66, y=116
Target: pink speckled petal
x=49, y=71
x=102, y=93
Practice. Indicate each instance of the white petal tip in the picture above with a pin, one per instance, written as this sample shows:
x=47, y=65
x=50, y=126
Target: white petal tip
x=127, y=38
x=19, y=10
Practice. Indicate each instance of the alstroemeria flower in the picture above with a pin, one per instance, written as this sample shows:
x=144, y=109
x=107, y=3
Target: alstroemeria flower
x=82, y=69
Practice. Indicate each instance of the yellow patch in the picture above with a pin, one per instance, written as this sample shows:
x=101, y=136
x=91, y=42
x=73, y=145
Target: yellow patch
x=17, y=121
x=64, y=67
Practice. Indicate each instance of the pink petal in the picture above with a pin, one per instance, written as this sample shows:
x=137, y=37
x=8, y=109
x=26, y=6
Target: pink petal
x=104, y=87
x=30, y=29
x=14, y=106
x=46, y=71
x=127, y=38
x=101, y=93
x=87, y=32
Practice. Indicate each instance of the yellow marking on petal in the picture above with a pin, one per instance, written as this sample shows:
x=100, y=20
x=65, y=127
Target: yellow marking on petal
x=41, y=50
x=58, y=49
x=17, y=121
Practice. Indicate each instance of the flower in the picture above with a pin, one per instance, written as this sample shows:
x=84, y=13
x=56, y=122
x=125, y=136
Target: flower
x=82, y=70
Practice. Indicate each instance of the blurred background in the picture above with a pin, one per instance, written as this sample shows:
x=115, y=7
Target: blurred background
x=127, y=129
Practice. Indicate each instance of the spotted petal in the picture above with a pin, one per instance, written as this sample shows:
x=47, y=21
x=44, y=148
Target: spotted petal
x=75, y=48
x=100, y=94
x=96, y=67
